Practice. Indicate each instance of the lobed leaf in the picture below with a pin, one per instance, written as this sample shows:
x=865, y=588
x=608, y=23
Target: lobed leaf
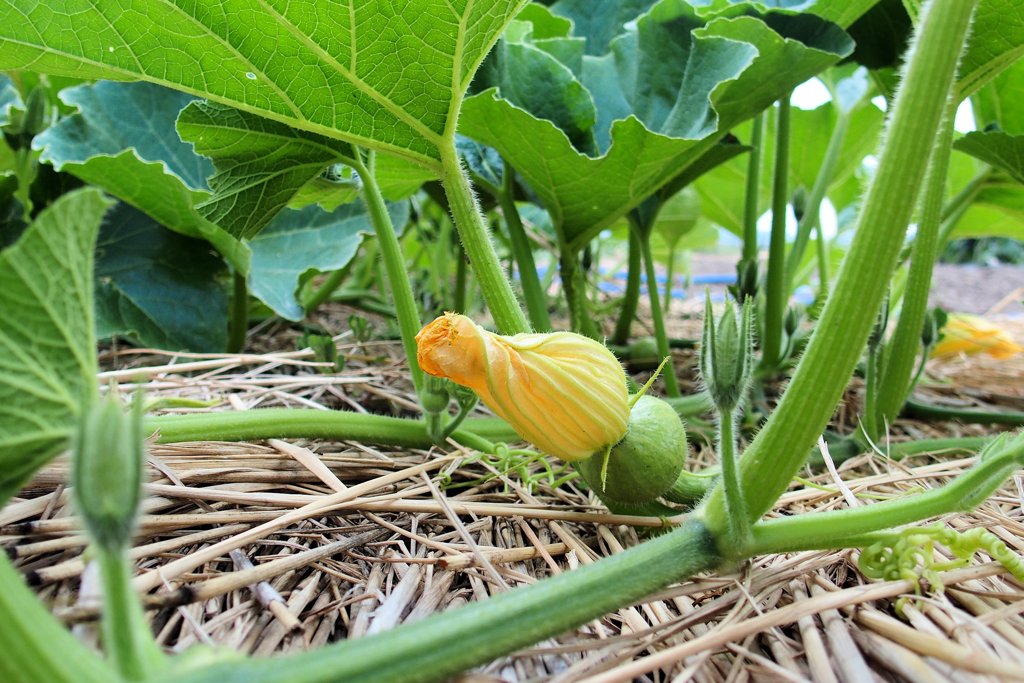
x=123, y=140
x=385, y=74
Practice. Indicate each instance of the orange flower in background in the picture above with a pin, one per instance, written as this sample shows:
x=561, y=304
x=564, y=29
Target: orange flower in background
x=561, y=391
x=971, y=334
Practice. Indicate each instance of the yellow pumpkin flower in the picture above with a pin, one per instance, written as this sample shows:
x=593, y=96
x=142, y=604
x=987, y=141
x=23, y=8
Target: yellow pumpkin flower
x=561, y=391
x=971, y=334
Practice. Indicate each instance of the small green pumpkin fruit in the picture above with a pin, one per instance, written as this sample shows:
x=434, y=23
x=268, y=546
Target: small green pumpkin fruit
x=646, y=462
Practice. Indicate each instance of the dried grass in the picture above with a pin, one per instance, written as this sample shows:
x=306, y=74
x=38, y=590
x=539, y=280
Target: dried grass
x=284, y=546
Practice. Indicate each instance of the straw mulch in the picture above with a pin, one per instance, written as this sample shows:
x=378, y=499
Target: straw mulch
x=279, y=547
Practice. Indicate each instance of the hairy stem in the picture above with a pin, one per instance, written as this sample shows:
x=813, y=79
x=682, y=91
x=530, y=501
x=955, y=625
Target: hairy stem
x=739, y=530
x=289, y=423
x=895, y=381
x=394, y=264
x=126, y=635
x=436, y=648
x=476, y=240
x=782, y=446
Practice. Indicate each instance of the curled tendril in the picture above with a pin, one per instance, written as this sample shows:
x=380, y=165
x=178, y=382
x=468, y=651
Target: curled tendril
x=909, y=555
x=508, y=460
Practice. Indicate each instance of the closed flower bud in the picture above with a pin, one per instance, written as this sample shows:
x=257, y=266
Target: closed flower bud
x=107, y=471
x=561, y=391
x=726, y=353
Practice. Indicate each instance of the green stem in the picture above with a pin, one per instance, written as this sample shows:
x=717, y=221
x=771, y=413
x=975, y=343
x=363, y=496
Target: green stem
x=443, y=645
x=239, y=325
x=903, y=347
x=290, y=423
x=691, y=487
x=533, y=295
x=326, y=288
x=833, y=528
x=898, y=451
x=750, y=213
x=775, y=279
x=461, y=282
x=394, y=264
x=739, y=529
x=822, y=262
x=670, y=267
x=126, y=635
x=869, y=420
x=631, y=297
x=921, y=409
x=812, y=212
x=660, y=336
x=476, y=240
x=782, y=446
x=37, y=647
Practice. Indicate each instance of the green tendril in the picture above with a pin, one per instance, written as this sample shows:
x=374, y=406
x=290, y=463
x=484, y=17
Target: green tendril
x=909, y=555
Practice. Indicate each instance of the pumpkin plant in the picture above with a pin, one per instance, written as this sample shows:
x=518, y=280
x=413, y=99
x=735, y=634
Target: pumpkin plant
x=341, y=82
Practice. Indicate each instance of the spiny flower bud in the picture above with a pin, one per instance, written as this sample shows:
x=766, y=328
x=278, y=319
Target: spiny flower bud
x=108, y=452
x=726, y=353
x=561, y=391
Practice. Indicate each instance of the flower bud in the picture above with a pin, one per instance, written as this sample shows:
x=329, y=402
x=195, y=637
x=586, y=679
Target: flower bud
x=561, y=391
x=108, y=452
x=646, y=462
x=726, y=353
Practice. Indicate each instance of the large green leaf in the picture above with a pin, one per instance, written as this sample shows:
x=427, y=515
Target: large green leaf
x=385, y=74
x=47, y=342
x=123, y=140
x=261, y=164
x=996, y=148
x=995, y=43
x=997, y=211
x=599, y=21
x=671, y=87
x=304, y=241
x=158, y=287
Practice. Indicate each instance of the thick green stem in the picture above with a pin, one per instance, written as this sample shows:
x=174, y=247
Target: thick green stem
x=834, y=528
x=739, y=529
x=126, y=635
x=660, y=335
x=631, y=297
x=750, y=214
x=290, y=423
x=812, y=212
x=394, y=264
x=870, y=419
x=903, y=347
x=775, y=279
x=782, y=446
x=574, y=285
x=443, y=645
x=533, y=294
x=239, y=325
x=37, y=647
x=476, y=240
